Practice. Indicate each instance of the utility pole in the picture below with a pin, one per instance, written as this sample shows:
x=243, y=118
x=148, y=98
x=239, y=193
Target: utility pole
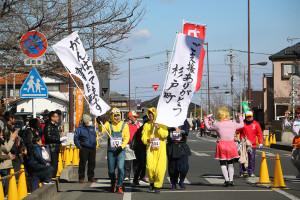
x=14, y=87
x=293, y=96
x=6, y=88
x=208, y=77
x=249, y=78
x=71, y=86
x=201, y=101
x=245, y=99
x=231, y=74
x=241, y=93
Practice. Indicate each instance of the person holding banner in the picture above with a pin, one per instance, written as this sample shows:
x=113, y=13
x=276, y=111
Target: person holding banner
x=226, y=150
x=178, y=152
x=118, y=137
x=154, y=136
x=295, y=124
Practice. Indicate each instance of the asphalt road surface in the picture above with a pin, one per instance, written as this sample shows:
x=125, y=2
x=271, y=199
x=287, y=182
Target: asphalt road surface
x=204, y=179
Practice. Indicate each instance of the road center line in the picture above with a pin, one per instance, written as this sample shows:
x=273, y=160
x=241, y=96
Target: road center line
x=127, y=192
x=195, y=191
x=290, y=196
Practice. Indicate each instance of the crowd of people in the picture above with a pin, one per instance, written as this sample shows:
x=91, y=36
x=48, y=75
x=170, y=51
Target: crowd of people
x=142, y=147
x=27, y=146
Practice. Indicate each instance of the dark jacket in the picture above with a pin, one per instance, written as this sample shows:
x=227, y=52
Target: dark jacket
x=36, y=161
x=85, y=136
x=176, y=149
x=28, y=137
x=52, y=137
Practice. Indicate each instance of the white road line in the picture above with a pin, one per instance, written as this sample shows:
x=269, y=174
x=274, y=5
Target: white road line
x=214, y=179
x=209, y=140
x=290, y=196
x=268, y=154
x=291, y=178
x=185, y=181
x=199, y=154
x=127, y=192
x=101, y=183
x=191, y=191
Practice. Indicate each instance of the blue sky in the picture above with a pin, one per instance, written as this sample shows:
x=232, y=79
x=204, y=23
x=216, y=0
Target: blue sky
x=271, y=21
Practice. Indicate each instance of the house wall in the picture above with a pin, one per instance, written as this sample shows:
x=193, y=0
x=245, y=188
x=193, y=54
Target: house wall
x=282, y=88
x=41, y=105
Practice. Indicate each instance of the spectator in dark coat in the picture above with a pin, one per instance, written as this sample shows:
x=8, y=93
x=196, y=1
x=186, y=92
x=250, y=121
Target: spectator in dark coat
x=31, y=132
x=52, y=138
x=38, y=167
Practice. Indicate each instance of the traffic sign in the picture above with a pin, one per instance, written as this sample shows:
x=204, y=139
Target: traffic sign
x=34, y=86
x=33, y=44
x=138, y=102
x=155, y=87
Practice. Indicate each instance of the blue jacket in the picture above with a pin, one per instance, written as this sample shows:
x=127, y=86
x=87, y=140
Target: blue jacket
x=36, y=161
x=85, y=136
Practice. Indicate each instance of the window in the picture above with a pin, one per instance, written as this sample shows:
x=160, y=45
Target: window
x=287, y=70
x=53, y=87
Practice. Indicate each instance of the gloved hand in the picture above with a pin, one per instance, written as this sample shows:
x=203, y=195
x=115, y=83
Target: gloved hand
x=260, y=146
x=119, y=149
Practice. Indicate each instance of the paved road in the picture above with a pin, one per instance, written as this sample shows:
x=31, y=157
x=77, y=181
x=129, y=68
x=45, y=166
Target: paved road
x=204, y=179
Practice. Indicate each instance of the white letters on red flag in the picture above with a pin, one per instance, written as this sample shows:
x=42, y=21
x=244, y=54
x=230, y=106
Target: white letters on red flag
x=72, y=54
x=181, y=82
x=199, y=32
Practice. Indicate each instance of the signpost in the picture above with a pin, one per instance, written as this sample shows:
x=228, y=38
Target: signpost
x=33, y=44
x=155, y=87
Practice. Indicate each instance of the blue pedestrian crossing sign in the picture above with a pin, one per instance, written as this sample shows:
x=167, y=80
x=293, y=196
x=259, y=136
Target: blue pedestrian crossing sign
x=34, y=86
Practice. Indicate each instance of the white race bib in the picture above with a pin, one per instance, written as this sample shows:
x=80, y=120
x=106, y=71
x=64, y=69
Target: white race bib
x=115, y=142
x=176, y=136
x=156, y=143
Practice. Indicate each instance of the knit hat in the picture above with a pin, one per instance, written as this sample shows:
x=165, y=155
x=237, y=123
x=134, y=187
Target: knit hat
x=249, y=113
x=86, y=118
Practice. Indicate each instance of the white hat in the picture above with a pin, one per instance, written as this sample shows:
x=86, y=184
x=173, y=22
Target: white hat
x=249, y=113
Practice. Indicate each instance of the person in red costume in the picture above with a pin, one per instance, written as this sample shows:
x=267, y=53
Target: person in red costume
x=250, y=131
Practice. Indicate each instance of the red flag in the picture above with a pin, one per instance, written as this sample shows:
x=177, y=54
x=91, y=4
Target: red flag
x=199, y=32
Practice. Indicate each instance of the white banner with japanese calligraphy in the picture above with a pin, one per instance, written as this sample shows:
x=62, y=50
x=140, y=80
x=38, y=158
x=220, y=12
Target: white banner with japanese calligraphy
x=181, y=82
x=72, y=54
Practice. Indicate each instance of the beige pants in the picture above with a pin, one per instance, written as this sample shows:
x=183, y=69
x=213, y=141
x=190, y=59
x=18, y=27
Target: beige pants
x=295, y=158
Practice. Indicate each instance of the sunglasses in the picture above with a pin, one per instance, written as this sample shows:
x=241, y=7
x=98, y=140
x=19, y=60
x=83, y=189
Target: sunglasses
x=115, y=111
x=117, y=115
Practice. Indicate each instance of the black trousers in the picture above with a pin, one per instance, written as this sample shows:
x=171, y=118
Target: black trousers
x=140, y=154
x=127, y=167
x=178, y=168
x=86, y=155
x=54, y=162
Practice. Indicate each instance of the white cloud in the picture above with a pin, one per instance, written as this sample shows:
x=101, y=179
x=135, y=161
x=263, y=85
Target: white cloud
x=139, y=36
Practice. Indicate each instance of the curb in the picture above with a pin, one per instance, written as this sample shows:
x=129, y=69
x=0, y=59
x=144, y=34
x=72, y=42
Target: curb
x=282, y=147
x=43, y=193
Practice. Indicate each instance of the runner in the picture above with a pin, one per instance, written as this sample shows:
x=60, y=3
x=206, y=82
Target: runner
x=157, y=157
x=178, y=152
x=250, y=131
x=226, y=150
x=116, y=143
x=295, y=124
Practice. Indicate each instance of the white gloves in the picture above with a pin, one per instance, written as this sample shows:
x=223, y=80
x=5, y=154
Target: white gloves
x=63, y=139
x=260, y=146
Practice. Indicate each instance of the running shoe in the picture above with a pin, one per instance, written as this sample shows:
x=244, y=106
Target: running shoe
x=120, y=190
x=242, y=176
x=225, y=184
x=49, y=183
x=181, y=184
x=230, y=183
x=173, y=187
x=126, y=179
x=252, y=175
x=157, y=190
x=145, y=180
x=113, y=188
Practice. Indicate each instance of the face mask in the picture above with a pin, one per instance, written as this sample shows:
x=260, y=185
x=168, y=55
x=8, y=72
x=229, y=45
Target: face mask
x=90, y=123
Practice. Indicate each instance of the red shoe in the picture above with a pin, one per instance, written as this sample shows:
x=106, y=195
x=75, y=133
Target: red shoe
x=120, y=190
x=113, y=188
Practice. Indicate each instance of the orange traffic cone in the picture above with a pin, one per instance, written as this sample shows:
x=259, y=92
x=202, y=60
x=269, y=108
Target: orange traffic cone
x=271, y=139
x=71, y=152
x=278, y=182
x=274, y=139
x=12, y=187
x=264, y=178
x=1, y=190
x=60, y=165
x=75, y=157
x=267, y=141
x=68, y=160
x=22, y=185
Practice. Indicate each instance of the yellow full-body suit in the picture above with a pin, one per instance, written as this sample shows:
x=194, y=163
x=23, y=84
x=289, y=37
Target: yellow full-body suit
x=157, y=159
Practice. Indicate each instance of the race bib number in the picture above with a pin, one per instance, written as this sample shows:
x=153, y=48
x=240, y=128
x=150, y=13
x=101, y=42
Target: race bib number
x=155, y=143
x=115, y=142
x=176, y=136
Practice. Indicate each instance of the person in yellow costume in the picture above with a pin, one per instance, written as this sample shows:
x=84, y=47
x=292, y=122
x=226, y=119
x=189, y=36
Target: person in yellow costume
x=116, y=143
x=157, y=157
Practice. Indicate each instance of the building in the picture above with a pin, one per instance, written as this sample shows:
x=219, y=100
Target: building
x=276, y=86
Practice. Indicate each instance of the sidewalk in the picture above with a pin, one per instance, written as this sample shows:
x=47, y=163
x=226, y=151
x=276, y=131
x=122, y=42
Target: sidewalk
x=282, y=146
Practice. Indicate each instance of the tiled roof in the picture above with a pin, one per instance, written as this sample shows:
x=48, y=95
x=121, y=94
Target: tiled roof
x=291, y=52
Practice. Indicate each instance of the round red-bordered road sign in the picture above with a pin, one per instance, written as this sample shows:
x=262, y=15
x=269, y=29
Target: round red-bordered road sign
x=33, y=44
